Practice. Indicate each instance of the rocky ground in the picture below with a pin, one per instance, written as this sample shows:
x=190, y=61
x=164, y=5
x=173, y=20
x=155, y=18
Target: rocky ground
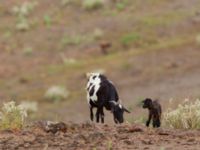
x=89, y=136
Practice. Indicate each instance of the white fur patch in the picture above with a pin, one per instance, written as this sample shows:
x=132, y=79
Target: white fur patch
x=120, y=106
x=93, y=82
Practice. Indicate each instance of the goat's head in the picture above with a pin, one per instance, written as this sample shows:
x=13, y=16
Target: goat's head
x=147, y=103
x=92, y=74
x=118, y=111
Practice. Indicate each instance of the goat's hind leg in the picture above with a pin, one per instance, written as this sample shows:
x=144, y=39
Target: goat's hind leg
x=91, y=113
x=156, y=123
x=97, y=115
x=102, y=115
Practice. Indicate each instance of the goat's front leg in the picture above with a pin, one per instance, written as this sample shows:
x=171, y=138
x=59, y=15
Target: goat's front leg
x=91, y=113
x=149, y=119
x=115, y=120
x=97, y=115
x=102, y=115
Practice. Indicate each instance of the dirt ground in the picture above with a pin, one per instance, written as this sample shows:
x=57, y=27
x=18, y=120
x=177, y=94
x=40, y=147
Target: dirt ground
x=87, y=136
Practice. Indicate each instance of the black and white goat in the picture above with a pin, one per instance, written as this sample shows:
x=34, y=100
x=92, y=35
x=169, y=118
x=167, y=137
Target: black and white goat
x=155, y=111
x=102, y=93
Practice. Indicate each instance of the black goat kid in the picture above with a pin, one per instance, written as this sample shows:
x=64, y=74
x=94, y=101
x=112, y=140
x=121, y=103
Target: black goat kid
x=155, y=111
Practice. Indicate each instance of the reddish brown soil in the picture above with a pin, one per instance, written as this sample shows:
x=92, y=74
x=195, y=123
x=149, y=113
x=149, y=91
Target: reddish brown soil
x=88, y=136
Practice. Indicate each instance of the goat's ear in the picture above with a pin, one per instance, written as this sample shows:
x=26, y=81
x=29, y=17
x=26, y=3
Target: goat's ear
x=113, y=105
x=126, y=110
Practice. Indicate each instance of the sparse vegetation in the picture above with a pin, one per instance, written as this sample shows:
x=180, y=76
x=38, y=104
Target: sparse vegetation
x=7, y=34
x=110, y=147
x=185, y=116
x=12, y=116
x=28, y=51
x=66, y=60
x=56, y=93
x=98, y=34
x=126, y=66
x=121, y=5
x=22, y=12
x=198, y=39
x=130, y=38
x=71, y=40
x=92, y=4
x=47, y=20
x=141, y=120
x=29, y=106
x=65, y=2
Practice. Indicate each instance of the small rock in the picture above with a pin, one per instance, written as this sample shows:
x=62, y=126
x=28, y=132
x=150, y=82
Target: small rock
x=147, y=142
x=26, y=145
x=55, y=127
x=129, y=142
x=191, y=140
x=136, y=129
x=161, y=131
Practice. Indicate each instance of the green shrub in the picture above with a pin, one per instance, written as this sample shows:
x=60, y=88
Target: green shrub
x=24, y=9
x=121, y=5
x=56, y=93
x=65, y=2
x=67, y=60
x=12, y=116
x=7, y=34
x=92, y=4
x=141, y=120
x=28, y=51
x=29, y=106
x=110, y=145
x=98, y=34
x=71, y=40
x=130, y=38
x=22, y=13
x=198, y=39
x=47, y=20
x=22, y=24
x=185, y=116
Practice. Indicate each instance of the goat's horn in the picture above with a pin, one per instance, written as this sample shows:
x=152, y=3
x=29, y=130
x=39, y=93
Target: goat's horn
x=126, y=110
x=114, y=102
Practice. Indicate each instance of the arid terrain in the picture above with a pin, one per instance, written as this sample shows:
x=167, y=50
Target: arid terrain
x=86, y=136
x=154, y=52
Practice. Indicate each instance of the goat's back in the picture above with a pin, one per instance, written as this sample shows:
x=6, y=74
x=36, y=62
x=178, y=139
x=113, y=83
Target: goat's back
x=157, y=106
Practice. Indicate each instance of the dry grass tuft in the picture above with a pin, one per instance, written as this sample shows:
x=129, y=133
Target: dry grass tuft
x=185, y=116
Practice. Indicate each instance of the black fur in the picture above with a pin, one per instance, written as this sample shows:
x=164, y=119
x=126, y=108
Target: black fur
x=155, y=111
x=107, y=97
